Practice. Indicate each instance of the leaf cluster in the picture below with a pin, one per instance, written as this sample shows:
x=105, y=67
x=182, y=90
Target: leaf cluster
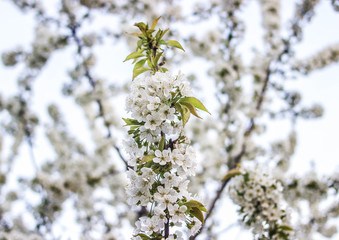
x=187, y=106
x=149, y=49
x=195, y=209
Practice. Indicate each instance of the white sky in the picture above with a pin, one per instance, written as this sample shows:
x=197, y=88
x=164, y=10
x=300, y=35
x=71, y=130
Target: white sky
x=317, y=139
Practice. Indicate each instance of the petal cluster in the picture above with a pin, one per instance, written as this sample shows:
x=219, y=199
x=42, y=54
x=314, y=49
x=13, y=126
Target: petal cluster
x=260, y=199
x=161, y=158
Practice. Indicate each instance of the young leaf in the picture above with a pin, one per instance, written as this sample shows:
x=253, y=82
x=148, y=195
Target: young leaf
x=135, y=34
x=149, y=63
x=162, y=69
x=139, y=44
x=163, y=33
x=143, y=236
x=133, y=128
x=232, y=173
x=149, y=32
x=162, y=42
x=162, y=142
x=139, y=64
x=178, y=107
x=157, y=35
x=286, y=228
x=184, y=112
x=196, y=212
x=134, y=55
x=195, y=102
x=191, y=108
x=175, y=44
x=194, y=203
x=246, y=177
x=157, y=57
x=141, y=26
x=154, y=23
x=137, y=72
x=147, y=158
x=132, y=122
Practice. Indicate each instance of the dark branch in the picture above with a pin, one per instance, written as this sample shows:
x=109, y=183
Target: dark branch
x=93, y=84
x=167, y=228
x=237, y=159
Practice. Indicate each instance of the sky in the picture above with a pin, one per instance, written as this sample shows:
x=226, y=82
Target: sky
x=317, y=139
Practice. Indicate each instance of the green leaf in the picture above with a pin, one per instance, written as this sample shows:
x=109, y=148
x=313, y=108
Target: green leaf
x=162, y=69
x=196, y=212
x=137, y=72
x=175, y=44
x=149, y=33
x=232, y=173
x=157, y=35
x=195, y=102
x=184, y=112
x=134, y=55
x=143, y=236
x=162, y=142
x=132, y=122
x=139, y=44
x=178, y=107
x=149, y=63
x=286, y=228
x=141, y=26
x=154, y=23
x=246, y=177
x=157, y=57
x=194, y=203
x=147, y=158
x=191, y=108
x=139, y=64
x=133, y=127
x=163, y=33
x=135, y=34
x=162, y=42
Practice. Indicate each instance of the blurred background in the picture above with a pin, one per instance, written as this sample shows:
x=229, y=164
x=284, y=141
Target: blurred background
x=51, y=67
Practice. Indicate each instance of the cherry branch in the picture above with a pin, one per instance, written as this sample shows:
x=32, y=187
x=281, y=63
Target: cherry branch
x=73, y=28
x=237, y=159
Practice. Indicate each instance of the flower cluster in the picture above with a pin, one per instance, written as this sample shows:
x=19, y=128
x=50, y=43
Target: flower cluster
x=151, y=101
x=310, y=187
x=321, y=59
x=259, y=197
x=161, y=159
x=315, y=192
x=271, y=23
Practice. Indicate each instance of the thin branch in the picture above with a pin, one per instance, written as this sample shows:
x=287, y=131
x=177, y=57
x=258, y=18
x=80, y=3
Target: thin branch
x=28, y=132
x=167, y=228
x=93, y=84
x=259, y=102
x=237, y=159
x=122, y=158
x=31, y=152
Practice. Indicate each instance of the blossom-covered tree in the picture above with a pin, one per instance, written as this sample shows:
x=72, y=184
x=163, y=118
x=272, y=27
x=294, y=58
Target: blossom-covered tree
x=95, y=172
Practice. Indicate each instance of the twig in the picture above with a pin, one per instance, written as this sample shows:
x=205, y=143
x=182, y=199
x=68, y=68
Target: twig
x=122, y=158
x=237, y=159
x=27, y=131
x=93, y=84
x=167, y=228
x=31, y=152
